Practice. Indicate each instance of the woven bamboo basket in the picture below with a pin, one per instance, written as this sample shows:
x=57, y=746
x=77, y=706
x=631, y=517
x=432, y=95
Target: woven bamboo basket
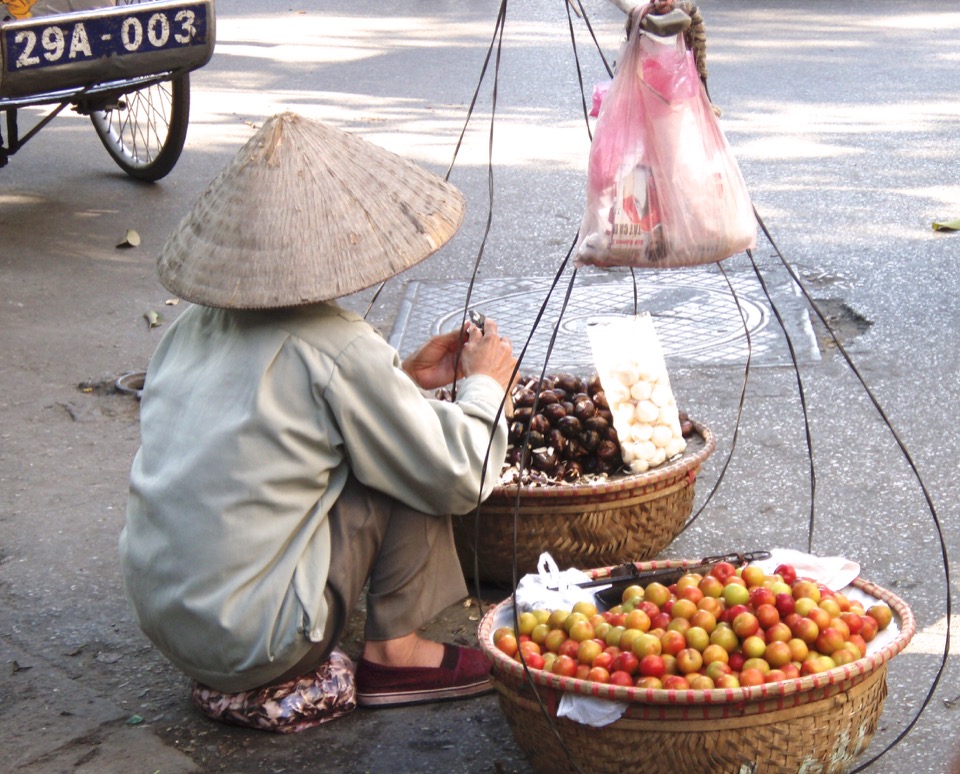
x=819, y=722
x=623, y=519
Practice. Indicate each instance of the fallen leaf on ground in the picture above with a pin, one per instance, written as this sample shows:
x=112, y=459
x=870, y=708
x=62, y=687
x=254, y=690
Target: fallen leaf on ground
x=947, y=225
x=131, y=239
x=153, y=318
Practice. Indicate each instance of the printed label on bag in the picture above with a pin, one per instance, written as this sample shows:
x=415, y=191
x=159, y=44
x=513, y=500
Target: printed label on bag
x=636, y=214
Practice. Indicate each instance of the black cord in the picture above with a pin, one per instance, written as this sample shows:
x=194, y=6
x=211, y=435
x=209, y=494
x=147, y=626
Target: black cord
x=593, y=36
x=740, y=404
x=919, y=479
x=803, y=401
x=498, y=40
x=576, y=59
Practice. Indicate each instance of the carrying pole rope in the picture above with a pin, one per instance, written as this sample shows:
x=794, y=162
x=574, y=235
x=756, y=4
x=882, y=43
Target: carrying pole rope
x=803, y=402
x=917, y=477
x=497, y=41
x=740, y=403
x=576, y=59
x=498, y=38
x=696, y=38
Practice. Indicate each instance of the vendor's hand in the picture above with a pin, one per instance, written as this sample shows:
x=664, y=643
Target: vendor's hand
x=486, y=352
x=432, y=365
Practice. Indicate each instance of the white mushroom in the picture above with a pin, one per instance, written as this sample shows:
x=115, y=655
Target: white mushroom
x=661, y=436
x=623, y=416
x=647, y=412
x=676, y=446
x=640, y=431
x=669, y=416
x=616, y=394
x=641, y=390
x=662, y=396
x=628, y=374
x=645, y=450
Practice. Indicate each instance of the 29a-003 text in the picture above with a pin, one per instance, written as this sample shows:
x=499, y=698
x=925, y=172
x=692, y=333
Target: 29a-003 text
x=82, y=41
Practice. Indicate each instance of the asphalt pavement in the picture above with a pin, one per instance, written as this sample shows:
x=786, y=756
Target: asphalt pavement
x=845, y=120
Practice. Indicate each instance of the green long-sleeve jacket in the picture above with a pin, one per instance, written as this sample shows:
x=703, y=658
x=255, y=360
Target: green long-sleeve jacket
x=250, y=423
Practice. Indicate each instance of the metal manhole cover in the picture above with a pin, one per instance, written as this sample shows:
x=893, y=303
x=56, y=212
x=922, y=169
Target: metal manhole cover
x=695, y=314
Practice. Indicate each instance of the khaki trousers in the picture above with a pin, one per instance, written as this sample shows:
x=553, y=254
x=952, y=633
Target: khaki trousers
x=408, y=557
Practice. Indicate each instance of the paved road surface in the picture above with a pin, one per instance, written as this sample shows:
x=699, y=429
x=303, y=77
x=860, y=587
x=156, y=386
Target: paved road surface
x=845, y=120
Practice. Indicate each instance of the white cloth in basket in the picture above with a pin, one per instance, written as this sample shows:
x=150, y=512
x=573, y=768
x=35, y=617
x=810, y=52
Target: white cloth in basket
x=551, y=589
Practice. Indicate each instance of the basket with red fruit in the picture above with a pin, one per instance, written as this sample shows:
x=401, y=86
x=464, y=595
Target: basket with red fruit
x=729, y=670
x=583, y=480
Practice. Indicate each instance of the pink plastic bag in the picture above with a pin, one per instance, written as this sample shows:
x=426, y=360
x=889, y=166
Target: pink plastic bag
x=663, y=187
x=599, y=92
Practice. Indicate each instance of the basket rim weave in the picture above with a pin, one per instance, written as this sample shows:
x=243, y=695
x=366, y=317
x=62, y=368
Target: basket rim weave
x=675, y=469
x=520, y=672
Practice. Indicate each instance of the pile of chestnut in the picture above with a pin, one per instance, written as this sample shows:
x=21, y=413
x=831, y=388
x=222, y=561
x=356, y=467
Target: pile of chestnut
x=561, y=431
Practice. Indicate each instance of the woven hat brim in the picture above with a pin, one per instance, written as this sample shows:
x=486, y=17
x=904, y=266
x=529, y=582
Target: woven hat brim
x=305, y=213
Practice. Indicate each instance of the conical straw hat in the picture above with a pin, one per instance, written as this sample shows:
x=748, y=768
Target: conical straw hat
x=306, y=213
